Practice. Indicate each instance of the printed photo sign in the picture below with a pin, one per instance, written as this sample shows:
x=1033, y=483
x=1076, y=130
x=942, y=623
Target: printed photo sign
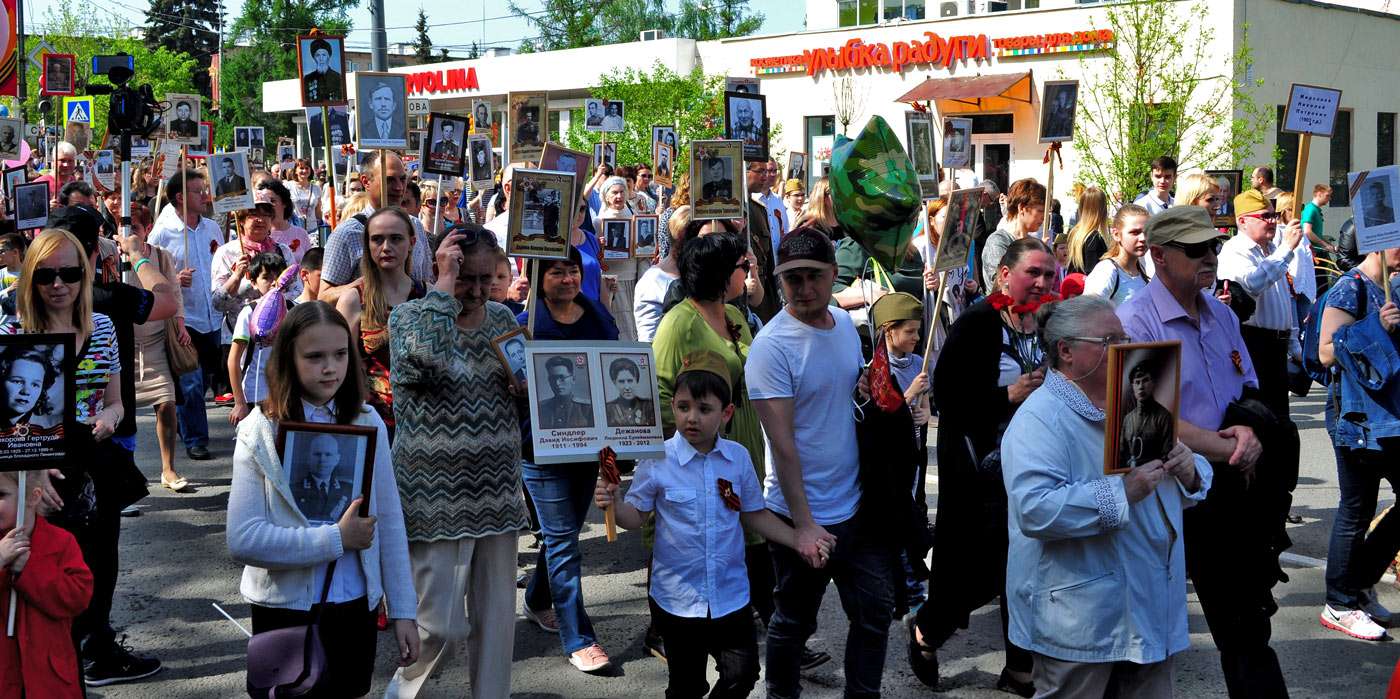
x=585, y=396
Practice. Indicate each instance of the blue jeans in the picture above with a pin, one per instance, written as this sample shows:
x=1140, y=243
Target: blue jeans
x=562, y=494
x=189, y=411
x=863, y=566
x=1355, y=560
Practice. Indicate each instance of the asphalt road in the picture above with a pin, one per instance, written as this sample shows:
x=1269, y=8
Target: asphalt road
x=175, y=565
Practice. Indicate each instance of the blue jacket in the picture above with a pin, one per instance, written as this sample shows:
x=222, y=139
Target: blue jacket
x=1367, y=399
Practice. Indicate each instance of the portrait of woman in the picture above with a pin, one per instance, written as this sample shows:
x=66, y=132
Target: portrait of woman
x=27, y=374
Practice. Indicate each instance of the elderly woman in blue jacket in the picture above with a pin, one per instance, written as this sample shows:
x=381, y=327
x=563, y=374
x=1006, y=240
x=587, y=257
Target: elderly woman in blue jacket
x=1096, y=578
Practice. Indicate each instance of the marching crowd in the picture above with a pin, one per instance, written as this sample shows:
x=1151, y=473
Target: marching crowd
x=800, y=415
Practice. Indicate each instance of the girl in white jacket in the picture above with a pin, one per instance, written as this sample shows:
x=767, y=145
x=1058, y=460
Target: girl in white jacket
x=287, y=555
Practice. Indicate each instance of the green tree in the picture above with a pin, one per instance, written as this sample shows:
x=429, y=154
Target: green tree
x=622, y=21
x=1156, y=94
x=702, y=21
x=422, y=44
x=186, y=26
x=563, y=24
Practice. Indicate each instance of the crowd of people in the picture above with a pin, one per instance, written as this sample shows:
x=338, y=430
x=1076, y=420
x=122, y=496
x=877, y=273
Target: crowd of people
x=799, y=410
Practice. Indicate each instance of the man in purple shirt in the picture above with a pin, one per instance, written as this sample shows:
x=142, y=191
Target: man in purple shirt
x=1215, y=372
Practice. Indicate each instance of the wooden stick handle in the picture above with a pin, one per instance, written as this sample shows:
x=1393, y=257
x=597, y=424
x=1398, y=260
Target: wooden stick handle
x=610, y=523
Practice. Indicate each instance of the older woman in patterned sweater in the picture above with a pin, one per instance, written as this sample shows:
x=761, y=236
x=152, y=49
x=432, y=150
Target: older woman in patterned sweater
x=457, y=461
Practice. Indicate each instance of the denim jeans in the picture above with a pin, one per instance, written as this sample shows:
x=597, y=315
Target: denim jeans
x=562, y=494
x=862, y=565
x=189, y=411
x=1355, y=561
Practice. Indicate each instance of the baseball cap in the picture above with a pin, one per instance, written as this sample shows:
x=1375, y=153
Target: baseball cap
x=1248, y=202
x=1181, y=224
x=805, y=247
x=793, y=185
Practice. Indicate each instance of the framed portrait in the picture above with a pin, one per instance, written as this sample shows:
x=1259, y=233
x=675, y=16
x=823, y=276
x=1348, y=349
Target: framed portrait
x=104, y=168
x=510, y=349
x=339, y=125
x=1229, y=182
x=716, y=180
x=482, y=173
x=617, y=238
x=37, y=383
x=11, y=136
x=644, y=235
x=1373, y=204
x=286, y=152
x=228, y=180
x=59, y=69
x=746, y=120
x=593, y=111
x=605, y=154
x=918, y=133
x=14, y=177
x=1057, y=111
x=206, y=141
x=955, y=240
x=1144, y=399
x=141, y=146
x=797, y=167
x=957, y=142
x=667, y=135
x=614, y=116
x=321, y=65
x=481, y=116
x=527, y=124
x=748, y=86
x=1311, y=109
x=446, y=138
x=664, y=157
x=181, y=119
x=327, y=466
x=561, y=159
x=541, y=214
x=31, y=205
x=584, y=396
x=416, y=143
x=380, y=109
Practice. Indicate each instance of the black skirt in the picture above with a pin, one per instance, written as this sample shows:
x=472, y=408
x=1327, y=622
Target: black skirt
x=348, y=633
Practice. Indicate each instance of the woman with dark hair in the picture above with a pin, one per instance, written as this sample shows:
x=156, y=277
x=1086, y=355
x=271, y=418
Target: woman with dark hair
x=284, y=231
x=388, y=245
x=26, y=375
x=989, y=365
x=305, y=195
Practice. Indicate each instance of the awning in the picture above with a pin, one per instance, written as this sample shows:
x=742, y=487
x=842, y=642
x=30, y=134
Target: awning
x=971, y=90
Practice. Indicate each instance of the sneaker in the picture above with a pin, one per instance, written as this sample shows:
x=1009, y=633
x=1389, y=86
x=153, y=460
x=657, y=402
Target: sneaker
x=1374, y=609
x=544, y=618
x=653, y=643
x=590, y=659
x=120, y=664
x=223, y=399
x=1352, y=622
x=812, y=659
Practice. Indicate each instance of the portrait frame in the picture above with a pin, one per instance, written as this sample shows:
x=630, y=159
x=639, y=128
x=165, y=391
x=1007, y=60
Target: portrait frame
x=554, y=157
x=14, y=177
x=516, y=375
x=645, y=223
x=661, y=133
x=605, y=154
x=796, y=168
x=482, y=176
x=206, y=141
x=755, y=144
x=17, y=126
x=583, y=429
x=527, y=136
x=1163, y=360
x=1055, y=125
x=67, y=59
x=541, y=214
x=105, y=176
x=955, y=240
x=479, y=126
x=329, y=91
x=712, y=162
x=1375, y=201
x=367, y=137
x=591, y=124
x=621, y=124
x=339, y=121
x=662, y=153
x=359, y=462
x=31, y=205
x=33, y=444
x=1224, y=216
x=617, y=238
x=448, y=164
x=957, y=142
x=228, y=197
x=918, y=132
x=169, y=118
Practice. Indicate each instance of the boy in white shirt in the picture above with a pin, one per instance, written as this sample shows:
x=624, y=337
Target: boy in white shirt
x=701, y=493
x=247, y=360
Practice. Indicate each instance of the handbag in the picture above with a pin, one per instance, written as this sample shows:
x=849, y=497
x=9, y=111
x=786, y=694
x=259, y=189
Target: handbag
x=182, y=358
x=289, y=662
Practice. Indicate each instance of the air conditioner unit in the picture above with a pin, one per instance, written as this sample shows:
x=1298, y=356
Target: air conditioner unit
x=982, y=7
x=653, y=34
x=948, y=9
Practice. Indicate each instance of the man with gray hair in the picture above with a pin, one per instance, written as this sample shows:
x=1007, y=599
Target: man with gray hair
x=65, y=170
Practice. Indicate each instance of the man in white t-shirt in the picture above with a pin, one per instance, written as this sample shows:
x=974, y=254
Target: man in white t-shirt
x=802, y=372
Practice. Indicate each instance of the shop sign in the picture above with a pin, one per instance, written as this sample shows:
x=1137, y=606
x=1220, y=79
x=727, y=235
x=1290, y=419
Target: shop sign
x=1062, y=42
x=933, y=50
x=449, y=80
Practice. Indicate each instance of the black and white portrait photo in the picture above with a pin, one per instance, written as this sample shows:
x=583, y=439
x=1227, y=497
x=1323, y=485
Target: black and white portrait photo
x=716, y=174
x=666, y=135
x=1378, y=203
x=644, y=231
x=446, y=136
x=797, y=167
x=918, y=133
x=14, y=177
x=327, y=467
x=527, y=127
x=181, y=119
x=1144, y=395
x=957, y=142
x=481, y=116
x=613, y=116
x=36, y=396
x=564, y=395
x=380, y=102
x=206, y=141
x=629, y=393
x=605, y=154
x=229, y=176
x=247, y=138
x=1373, y=208
x=11, y=132
x=479, y=162
x=617, y=238
x=593, y=111
x=340, y=126
x=746, y=119
x=321, y=64
x=31, y=205
x=510, y=349
x=58, y=74
x=1057, y=111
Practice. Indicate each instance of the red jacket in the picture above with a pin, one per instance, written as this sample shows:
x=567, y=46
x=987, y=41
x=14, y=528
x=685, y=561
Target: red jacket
x=53, y=589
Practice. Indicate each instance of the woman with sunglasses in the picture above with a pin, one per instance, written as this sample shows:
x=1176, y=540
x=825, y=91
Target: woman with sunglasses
x=284, y=231
x=438, y=212
x=1121, y=273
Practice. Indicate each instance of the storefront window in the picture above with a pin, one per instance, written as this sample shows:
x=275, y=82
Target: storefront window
x=1385, y=139
x=908, y=9
x=992, y=123
x=1339, y=159
x=1286, y=167
x=554, y=126
x=856, y=12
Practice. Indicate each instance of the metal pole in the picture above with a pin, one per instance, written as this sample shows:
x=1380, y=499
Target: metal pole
x=378, y=42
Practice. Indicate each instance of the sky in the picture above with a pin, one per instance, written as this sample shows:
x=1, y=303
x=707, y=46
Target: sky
x=466, y=17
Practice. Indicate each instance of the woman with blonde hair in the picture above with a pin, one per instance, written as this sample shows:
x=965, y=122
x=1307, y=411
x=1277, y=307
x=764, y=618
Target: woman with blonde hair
x=1089, y=239
x=1198, y=189
x=820, y=213
x=1302, y=267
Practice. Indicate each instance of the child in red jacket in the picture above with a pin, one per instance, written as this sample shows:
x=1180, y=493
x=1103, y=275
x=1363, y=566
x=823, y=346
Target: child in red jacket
x=43, y=565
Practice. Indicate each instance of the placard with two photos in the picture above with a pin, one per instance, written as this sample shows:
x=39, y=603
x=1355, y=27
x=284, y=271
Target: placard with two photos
x=604, y=116
x=588, y=395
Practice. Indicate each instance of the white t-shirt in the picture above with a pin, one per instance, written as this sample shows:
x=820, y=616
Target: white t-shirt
x=1112, y=283
x=648, y=299
x=255, y=357
x=305, y=200
x=818, y=370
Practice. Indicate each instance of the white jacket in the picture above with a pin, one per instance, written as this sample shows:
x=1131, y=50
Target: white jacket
x=280, y=549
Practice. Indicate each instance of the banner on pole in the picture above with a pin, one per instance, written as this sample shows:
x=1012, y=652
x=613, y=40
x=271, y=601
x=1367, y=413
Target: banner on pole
x=9, y=53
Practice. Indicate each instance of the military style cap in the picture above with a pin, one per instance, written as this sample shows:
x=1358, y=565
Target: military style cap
x=1184, y=224
x=1250, y=201
x=793, y=185
x=895, y=307
x=706, y=360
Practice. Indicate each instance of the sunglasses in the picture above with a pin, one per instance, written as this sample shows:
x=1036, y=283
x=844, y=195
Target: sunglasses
x=45, y=276
x=1268, y=216
x=1196, y=251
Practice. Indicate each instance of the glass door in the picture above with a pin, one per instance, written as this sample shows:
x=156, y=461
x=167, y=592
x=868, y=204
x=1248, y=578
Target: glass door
x=991, y=159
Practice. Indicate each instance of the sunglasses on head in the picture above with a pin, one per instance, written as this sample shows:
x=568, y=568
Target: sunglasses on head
x=45, y=276
x=1196, y=251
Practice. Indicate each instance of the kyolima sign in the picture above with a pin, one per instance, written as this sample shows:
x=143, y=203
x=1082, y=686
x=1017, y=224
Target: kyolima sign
x=449, y=80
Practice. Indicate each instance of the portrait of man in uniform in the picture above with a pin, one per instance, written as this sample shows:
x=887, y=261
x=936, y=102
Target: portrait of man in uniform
x=1144, y=397
x=569, y=404
x=321, y=60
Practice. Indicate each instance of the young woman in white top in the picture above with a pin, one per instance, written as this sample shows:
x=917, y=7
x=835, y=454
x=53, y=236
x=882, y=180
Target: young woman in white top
x=306, y=196
x=1121, y=272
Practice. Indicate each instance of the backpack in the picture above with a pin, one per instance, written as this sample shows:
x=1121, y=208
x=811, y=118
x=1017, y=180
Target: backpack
x=1312, y=330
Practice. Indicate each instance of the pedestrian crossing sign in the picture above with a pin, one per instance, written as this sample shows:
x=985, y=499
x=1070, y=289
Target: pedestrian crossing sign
x=77, y=110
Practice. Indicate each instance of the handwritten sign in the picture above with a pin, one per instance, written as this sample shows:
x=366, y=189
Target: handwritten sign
x=1373, y=208
x=1312, y=109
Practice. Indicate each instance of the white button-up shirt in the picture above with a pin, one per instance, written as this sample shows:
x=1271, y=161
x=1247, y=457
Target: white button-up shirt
x=1154, y=205
x=698, y=560
x=348, y=583
x=1263, y=275
x=779, y=224
x=191, y=248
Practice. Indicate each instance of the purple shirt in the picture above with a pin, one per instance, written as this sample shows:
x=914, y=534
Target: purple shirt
x=1209, y=379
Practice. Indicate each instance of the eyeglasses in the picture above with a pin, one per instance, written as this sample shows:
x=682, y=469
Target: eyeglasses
x=1105, y=341
x=744, y=265
x=1196, y=251
x=1267, y=216
x=45, y=276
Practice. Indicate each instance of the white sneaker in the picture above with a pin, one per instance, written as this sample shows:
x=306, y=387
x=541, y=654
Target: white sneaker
x=1352, y=622
x=590, y=659
x=543, y=618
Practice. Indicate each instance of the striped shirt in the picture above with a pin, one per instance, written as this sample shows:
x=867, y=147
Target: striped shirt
x=98, y=360
x=1263, y=273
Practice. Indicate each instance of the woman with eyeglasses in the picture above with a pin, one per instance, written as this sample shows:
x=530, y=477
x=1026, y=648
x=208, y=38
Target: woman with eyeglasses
x=1096, y=571
x=1121, y=273
x=285, y=232
x=990, y=364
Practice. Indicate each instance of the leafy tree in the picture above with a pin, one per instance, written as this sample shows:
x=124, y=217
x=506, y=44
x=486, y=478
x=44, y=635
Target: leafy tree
x=563, y=24
x=423, y=44
x=568, y=24
x=186, y=26
x=1153, y=96
x=622, y=21
x=702, y=21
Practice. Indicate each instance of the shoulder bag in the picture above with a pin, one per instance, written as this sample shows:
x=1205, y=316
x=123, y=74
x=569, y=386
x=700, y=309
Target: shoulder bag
x=289, y=662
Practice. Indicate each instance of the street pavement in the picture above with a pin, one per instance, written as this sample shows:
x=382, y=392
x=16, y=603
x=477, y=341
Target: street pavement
x=175, y=566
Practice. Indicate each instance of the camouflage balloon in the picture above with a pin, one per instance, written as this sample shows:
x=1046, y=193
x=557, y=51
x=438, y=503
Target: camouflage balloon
x=875, y=191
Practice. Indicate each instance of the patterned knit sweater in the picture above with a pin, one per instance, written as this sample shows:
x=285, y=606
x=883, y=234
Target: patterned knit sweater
x=457, y=443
